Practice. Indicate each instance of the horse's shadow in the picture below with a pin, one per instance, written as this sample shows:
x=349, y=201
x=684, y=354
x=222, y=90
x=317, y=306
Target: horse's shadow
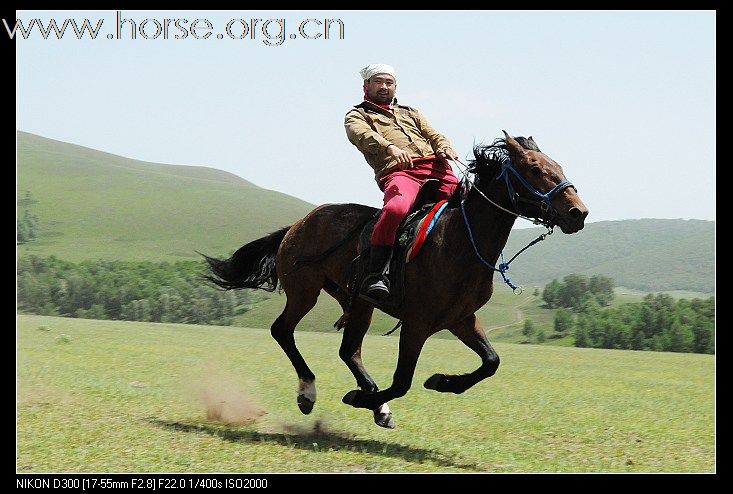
x=317, y=439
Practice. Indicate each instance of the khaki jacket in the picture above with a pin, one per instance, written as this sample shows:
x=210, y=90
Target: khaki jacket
x=371, y=129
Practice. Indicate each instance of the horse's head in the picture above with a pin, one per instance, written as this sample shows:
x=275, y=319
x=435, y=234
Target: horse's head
x=541, y=189
x=536, y=184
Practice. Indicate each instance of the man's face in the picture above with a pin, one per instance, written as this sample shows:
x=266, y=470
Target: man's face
x=381, y=88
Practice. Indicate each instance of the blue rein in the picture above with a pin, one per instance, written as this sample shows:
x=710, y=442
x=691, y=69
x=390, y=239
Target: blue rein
x=545, y=205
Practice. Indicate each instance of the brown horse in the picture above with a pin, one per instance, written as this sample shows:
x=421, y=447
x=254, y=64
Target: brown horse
x=444, y=286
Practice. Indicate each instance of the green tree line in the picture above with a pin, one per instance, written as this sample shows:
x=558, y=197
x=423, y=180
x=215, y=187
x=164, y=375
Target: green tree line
x=125, y=290
x=577, y=290
x=658, y=323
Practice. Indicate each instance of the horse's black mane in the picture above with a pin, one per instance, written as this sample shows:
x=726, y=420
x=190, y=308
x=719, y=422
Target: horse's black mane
x=487, y=160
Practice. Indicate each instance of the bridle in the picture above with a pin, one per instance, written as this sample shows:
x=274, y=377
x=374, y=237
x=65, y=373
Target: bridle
x=540, y=199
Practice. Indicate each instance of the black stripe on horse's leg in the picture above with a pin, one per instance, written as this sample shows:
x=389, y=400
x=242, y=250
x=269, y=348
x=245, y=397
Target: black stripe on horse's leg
x=410, y=348
x=471, y=334
x=282, y=331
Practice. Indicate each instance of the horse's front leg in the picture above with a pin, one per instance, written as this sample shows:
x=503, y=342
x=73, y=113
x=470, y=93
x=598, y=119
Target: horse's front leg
x=471, y=334
x=360, y=317
x=410, y=346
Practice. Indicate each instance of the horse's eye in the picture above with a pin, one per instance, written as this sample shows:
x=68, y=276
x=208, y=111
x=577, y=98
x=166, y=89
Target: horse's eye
x=536, y=171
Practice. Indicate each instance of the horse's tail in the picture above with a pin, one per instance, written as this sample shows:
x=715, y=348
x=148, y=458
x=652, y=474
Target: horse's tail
x=252, y=266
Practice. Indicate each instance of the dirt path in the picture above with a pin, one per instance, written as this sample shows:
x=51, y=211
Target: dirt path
x=518, y=319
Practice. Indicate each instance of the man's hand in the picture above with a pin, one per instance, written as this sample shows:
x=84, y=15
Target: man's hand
x=403, y=158
x=447, y=152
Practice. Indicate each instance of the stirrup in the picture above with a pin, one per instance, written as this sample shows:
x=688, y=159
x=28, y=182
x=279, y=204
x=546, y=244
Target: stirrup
x=378, y=289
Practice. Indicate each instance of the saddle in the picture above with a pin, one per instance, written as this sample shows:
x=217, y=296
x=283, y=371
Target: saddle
x=411, y=234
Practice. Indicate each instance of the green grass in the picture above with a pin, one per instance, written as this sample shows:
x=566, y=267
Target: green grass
x=124, y=397
x=624, y=295
x=95, y=205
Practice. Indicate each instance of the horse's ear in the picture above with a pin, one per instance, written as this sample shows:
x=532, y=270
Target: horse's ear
x=514, y=145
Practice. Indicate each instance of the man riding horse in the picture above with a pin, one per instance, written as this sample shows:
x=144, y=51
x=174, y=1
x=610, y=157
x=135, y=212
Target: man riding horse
x=404, y=151
x=511, y=178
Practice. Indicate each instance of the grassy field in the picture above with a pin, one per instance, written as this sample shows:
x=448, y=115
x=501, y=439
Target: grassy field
x=624, y=295
x=100, y=396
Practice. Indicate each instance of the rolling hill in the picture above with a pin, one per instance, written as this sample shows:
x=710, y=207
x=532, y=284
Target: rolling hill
x=98, y=205
x=647, y=254
x=92, y=205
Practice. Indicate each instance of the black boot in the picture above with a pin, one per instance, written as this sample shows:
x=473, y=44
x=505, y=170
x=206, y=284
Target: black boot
x=376, y=284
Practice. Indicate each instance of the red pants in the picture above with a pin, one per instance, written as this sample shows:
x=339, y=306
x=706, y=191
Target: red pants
x=400, y=189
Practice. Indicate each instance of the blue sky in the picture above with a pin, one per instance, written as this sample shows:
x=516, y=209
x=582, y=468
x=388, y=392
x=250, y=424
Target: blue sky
x=624, y=101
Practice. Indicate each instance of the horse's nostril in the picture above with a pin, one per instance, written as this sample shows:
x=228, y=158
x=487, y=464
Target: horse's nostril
x=576, y=213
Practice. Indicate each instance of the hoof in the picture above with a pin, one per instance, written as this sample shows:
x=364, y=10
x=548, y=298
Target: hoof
x=434, y=382
x=384, y=419
x=305, y=405
x=446, y=383
x=351, y=398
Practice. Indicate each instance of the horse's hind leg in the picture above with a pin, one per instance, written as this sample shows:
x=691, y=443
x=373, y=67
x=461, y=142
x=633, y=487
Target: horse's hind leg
x=299, y=303
x=360, y=317
x=471, y=334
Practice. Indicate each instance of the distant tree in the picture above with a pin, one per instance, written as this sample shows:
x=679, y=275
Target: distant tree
x=96, y=311
x=536, y=292
x=202, y=311
x=637, y=341
x=658, y=323
x=581, y=337
x=22, y=235
x=574, y=291
x=26, y=200
x=27, y=227
x=659, y=343
x=528, y=329
x=563, y=320
x=589, y=306
x=170, y=305
x=541, y=336
x=602, y=289
x=663, y=306
x=703, y=325
x=703, y=336
x=679, y=338
x=137, y=310
x=551, y=294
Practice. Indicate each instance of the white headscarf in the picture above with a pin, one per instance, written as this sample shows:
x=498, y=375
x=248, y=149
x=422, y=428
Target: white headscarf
x=377, y=68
